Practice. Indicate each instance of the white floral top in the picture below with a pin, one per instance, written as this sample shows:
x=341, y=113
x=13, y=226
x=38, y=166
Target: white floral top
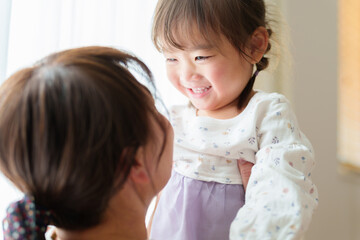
x=280, y=196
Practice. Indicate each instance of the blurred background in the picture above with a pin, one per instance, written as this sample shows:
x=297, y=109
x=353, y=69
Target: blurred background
x=316, y=66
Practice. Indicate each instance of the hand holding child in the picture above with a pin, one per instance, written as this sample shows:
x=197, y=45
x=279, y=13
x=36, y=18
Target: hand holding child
x=245, y=171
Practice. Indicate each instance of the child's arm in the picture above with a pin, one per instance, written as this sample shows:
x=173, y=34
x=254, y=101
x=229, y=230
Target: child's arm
x=280, y=196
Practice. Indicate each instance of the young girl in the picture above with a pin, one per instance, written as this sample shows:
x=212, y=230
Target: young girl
x=81, y=137
x=214, y=50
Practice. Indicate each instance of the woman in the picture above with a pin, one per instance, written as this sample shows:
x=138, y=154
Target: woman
x=81, y=137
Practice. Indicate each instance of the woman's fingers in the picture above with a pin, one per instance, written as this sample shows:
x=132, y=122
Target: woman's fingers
x=245, y=171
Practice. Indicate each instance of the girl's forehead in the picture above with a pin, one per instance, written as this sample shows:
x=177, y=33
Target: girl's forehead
x=190, y=46
x=189, y=40
x=192, y=42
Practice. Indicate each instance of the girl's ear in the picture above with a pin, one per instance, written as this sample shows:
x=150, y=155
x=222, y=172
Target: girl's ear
x=139, y=172
x=257, y=45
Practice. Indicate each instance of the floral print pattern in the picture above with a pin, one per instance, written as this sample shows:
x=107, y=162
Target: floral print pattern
x=26, y=221
x=266, y=133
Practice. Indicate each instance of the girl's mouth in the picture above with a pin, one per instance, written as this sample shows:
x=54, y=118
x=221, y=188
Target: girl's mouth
x=200, y=90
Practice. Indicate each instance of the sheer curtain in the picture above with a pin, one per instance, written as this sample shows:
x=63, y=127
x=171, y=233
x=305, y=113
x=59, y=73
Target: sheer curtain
x=40, y=27
x=5, y=8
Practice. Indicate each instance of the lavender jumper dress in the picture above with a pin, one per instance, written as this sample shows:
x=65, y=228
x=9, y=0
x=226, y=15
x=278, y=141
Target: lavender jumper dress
x=191, y=209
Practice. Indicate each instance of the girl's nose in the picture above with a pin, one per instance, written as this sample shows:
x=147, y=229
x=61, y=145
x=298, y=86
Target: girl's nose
x=188, y=72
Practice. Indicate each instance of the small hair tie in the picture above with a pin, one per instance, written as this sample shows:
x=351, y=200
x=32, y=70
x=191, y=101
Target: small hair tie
x=256, y=73
x=24, y=220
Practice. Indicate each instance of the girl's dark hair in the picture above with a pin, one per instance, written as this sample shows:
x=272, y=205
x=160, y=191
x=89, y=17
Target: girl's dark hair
x=234, y=19
x=70, y=127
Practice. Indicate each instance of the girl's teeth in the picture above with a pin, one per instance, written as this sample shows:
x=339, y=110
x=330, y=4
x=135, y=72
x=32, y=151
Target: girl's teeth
x=200, y=90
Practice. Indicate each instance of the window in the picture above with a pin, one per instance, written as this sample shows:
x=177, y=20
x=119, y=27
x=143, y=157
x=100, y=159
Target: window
x=349, y=85
x=5, y=7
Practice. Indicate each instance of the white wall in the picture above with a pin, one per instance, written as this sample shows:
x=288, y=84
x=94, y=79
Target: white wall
x=313, y=27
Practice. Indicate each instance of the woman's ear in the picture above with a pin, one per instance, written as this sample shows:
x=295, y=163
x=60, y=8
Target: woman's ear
x=258, y=44
x=139, y=172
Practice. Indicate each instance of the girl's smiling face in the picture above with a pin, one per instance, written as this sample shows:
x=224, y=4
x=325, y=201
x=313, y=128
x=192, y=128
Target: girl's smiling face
x=211, y=77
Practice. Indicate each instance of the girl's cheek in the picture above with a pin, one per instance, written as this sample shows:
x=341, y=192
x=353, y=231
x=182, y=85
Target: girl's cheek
x=172, y=77
x=169, y=73
x=218, y=72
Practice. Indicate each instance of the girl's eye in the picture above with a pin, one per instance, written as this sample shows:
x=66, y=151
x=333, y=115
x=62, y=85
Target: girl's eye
x=201, y=58
x=171, y=60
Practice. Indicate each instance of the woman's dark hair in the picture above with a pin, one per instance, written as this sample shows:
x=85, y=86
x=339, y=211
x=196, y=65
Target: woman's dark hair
x=70, y=127
x=236, y=20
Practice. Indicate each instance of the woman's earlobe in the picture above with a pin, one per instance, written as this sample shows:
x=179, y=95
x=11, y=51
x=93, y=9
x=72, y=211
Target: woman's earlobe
x=139, y=175
x=139, y=172
x=258, y=44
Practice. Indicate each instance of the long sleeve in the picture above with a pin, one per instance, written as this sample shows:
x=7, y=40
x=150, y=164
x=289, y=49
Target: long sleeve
x=280, y=196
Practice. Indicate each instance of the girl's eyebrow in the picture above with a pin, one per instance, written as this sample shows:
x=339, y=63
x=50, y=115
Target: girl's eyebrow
x=190, y=48
x=201, y=47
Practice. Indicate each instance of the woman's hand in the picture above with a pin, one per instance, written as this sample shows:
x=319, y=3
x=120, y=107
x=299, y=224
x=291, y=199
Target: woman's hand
x=245, y=171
